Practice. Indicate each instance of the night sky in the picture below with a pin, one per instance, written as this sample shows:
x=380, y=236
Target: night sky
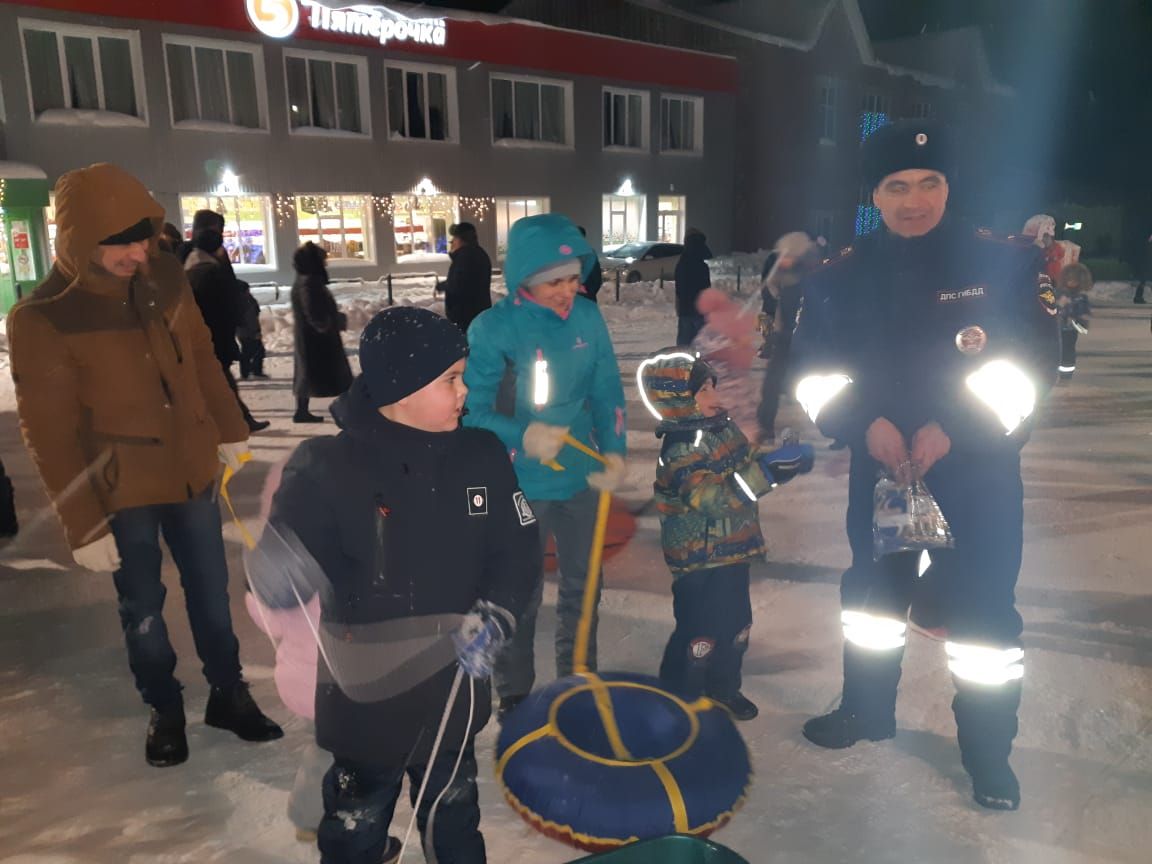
x=1082, y=70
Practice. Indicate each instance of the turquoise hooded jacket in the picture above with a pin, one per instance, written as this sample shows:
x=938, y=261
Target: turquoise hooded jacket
x=508, y=343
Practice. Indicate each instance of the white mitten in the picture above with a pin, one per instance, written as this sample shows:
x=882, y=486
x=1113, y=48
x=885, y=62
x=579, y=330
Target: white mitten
x=100, y=555
x=234, y=455
x=544, y=442
x=611, y=477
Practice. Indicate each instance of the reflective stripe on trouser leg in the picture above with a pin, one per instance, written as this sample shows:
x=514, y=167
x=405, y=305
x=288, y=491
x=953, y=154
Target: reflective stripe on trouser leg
x=873, y=632
x=982, y=664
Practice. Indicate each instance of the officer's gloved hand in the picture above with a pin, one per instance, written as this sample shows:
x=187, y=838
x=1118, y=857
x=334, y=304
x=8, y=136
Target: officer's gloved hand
x=784, y=463
x=480, y=637
x=544, y=442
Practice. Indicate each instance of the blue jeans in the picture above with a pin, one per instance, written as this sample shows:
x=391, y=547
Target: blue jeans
x=192, y=531
x=359, y=801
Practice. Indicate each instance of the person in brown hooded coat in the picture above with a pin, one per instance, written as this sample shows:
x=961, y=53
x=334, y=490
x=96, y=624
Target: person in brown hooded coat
x=127, y=416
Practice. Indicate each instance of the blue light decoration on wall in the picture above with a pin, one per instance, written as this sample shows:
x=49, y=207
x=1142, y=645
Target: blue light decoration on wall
x=867, y=218
x=870, y=121
x=867, y=214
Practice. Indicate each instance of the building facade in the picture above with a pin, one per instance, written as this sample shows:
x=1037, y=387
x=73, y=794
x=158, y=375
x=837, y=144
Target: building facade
x=369, y=129
x=813, y=84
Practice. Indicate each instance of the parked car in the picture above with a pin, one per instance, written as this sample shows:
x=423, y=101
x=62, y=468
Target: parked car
x=642, y=262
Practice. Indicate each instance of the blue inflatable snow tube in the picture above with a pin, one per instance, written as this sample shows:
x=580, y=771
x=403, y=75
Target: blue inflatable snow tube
x=602, y=760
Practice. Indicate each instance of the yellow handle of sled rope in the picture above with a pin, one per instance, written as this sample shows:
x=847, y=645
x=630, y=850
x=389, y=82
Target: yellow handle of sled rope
x=229, y=473
x=591, y=584
x=576, y=444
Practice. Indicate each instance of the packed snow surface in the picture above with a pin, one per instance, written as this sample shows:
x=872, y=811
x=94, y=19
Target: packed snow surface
x=75, y=787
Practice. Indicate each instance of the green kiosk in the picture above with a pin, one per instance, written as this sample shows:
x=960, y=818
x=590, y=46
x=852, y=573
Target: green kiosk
x=23, y=232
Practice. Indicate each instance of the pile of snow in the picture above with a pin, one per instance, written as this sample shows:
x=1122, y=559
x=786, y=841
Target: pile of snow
x=1112, y=293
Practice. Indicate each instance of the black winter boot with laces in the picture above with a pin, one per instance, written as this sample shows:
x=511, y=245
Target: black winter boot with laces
x=234, y=709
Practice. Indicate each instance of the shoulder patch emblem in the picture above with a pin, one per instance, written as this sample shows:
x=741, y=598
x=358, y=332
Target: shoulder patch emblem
x=523, y=508
x=1045, y=294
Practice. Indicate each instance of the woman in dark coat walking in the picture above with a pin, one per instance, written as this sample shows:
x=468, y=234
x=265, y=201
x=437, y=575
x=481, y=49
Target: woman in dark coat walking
x=321, y=366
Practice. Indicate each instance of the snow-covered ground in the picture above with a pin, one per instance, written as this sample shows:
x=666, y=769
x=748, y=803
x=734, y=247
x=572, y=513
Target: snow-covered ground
x=74, y=786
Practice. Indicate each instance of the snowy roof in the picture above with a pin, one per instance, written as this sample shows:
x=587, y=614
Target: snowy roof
x=797, y=21
x=958, y=55
x=21, y=171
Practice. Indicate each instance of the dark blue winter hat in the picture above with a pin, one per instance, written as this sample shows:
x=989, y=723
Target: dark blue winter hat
x=405, y=348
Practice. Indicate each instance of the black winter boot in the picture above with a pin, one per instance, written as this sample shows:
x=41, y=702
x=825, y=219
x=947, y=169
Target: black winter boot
x=167, y=744
x=985, y=728
x=233, y=708
x=868, y=704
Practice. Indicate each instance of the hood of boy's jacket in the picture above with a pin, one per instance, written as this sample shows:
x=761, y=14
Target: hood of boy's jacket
x=94, y=203
x=667, y=384
x=537, y=242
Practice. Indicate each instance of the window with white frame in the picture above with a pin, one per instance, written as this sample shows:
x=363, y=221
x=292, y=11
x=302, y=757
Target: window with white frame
x=625, y=119
x=531, y=110
x=248, y=225
x=508, y=210
x=670, y=211
x=341, y=224
x=215, y=82
x=827, y=104
x=420, y=225
x=622, y=220
x=74, y=68
x=327, y=93
x=421, y=102
x=681, y=124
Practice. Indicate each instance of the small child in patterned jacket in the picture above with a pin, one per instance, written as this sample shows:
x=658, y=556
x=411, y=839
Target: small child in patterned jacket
x=708, y=480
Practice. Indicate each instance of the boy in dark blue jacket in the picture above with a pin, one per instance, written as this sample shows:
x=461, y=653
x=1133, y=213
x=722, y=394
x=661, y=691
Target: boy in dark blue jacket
x=421, y=534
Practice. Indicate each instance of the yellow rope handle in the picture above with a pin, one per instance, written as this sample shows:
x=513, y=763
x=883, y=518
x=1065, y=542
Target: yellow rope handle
x=229, y=473
x=591, y=583
x=577, y=444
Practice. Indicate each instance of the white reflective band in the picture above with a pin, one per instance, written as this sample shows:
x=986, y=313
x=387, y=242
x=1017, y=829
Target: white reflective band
x=676, y=355
x=1006, y=390
x=744, y=487
x=1066, y=368
x=981, y=664
x=699, y=435
x=925, y=563
x=816, y=391
x=872, y=631
x=540, y=381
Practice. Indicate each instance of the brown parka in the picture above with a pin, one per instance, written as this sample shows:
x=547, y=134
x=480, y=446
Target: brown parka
x=122, y=402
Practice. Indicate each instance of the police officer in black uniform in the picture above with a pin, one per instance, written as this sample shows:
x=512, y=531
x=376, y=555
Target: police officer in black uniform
x=926, y=349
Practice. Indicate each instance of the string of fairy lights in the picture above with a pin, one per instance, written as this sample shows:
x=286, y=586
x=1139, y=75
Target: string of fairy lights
x=424, y=198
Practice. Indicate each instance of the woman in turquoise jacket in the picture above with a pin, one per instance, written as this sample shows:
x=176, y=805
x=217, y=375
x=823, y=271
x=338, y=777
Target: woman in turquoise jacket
x=541, y=367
